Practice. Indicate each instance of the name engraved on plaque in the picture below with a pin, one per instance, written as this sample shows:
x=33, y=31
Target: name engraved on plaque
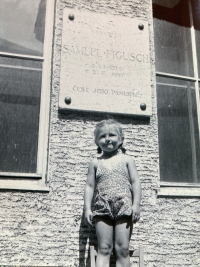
x=105, y=64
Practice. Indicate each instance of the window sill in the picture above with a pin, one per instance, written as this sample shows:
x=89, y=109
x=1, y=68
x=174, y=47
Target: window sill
x=178, y=192
x=24, y=185
x=17, y=175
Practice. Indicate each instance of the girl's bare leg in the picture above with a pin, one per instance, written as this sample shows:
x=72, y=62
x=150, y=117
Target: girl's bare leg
x=123, y=230
x=104, y=231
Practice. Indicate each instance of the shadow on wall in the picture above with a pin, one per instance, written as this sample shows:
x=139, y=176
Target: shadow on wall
x=87, y=237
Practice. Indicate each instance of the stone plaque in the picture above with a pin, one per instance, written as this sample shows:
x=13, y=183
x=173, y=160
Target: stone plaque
x=105, y=64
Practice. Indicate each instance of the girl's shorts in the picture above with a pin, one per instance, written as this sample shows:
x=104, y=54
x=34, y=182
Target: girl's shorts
x=114, y=208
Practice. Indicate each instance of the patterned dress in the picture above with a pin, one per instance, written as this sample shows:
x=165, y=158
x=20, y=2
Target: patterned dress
x=113, y=189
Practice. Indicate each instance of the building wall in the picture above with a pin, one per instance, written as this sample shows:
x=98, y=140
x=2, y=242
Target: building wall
x=47, y=229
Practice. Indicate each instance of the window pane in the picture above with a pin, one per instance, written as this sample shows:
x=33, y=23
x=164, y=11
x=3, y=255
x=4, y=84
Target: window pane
x=173, y=39
x=20, y=83
x=178, y=131
x=22, y=26
x=196, y=17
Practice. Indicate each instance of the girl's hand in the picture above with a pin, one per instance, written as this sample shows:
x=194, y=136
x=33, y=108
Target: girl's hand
x=89, y=217
x=135, y=213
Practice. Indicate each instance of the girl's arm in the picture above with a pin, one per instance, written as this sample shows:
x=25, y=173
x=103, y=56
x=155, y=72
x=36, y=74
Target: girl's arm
x=136, y=188
x=89, y=190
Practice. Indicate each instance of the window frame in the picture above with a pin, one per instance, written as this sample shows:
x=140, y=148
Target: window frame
x=174, y=189
x=37, y=181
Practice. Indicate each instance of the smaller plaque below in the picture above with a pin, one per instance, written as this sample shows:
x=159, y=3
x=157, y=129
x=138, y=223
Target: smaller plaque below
x=105, y=64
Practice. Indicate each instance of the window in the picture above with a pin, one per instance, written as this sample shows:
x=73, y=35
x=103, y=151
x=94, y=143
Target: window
x=177, y=55
x=25, y=64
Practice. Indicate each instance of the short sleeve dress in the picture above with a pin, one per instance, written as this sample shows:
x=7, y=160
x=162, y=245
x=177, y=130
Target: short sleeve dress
x=113, y=191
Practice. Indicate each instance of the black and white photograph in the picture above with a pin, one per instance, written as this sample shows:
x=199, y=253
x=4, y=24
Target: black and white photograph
x=99, y=133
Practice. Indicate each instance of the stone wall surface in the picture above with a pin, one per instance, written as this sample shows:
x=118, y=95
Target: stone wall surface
x=47, y=229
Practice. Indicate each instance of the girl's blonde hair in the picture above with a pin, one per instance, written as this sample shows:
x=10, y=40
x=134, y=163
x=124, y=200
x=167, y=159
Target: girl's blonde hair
x=103, y=123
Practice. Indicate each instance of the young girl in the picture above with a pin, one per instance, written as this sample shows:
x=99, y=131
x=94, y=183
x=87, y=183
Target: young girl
x=115, y=180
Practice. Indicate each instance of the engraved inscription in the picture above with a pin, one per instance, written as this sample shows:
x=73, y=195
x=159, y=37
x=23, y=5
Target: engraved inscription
x=109, y=54
x=133, y=93
x=80, y=89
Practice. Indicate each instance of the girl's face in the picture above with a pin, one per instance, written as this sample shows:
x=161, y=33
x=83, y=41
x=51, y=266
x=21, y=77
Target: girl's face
x=109, y=138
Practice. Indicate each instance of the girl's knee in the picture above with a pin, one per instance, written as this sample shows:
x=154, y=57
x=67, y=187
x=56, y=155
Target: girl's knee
x=122, y=250
x=105, y=249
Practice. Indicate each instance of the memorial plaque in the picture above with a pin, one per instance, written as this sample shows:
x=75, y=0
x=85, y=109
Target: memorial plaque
x=105, y=64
